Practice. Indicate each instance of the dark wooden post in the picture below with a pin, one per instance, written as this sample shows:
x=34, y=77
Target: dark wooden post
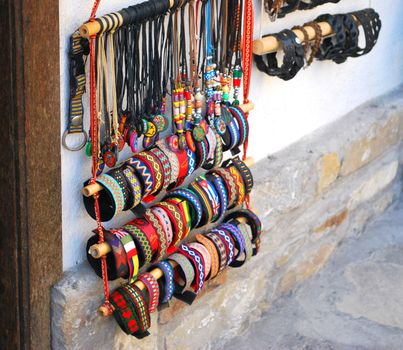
x=30, y=185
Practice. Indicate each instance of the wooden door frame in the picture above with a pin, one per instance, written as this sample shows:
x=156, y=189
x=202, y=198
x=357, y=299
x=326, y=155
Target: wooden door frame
x=30, y=183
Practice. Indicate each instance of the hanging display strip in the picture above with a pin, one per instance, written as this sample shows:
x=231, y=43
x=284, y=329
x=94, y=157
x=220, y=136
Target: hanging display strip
x=335, y=37
x=164, y=225
x=173, y=67
x=280, y=8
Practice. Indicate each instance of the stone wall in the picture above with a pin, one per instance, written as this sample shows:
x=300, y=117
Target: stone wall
x=310, y=196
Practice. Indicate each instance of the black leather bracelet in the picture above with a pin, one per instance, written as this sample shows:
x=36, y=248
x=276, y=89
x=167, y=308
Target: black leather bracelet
x=371, y=24
x=293, y=59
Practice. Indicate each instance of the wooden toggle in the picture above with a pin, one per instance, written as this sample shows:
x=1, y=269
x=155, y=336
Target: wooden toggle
x=90, y=190
x=89, y=29
x=270, y=44
x=157, y=273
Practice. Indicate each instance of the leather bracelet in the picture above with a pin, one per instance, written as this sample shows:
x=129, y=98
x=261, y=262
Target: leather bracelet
x=371, y=24
x=293, y=59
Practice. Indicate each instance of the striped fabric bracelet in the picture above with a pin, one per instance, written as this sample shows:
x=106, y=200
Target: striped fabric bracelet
x=213, y=252
x=153, y=290
x=111, y=185
x=168, y=271
x=186, y=270
x=131, y=252
x=229, y=243
x=220, y=248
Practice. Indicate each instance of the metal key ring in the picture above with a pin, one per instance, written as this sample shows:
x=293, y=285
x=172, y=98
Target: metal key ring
x=77, y=148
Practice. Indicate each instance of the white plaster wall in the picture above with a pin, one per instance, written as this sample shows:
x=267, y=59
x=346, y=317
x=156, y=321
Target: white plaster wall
x=285, y=111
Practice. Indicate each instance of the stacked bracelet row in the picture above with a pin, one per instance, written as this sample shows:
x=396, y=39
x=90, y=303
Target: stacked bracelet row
x=165, y=166
x=185, y=272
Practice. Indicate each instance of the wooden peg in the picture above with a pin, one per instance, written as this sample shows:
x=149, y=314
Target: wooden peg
x=99, y=250
x=270, y=44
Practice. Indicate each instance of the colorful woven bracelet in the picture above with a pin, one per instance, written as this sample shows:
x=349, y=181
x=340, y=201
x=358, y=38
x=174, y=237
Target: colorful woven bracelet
x=150, y=233
x=134, y=186
x=213, y=197
x=186, y=271
x=131, y=252
x=144, y=172
x=183, y=166
x=192, y=199
x=153, y=290
x=229, y=243
x=173, y=159
x=123, y=305
x=212, y=250
x=166, y=167
x=157, y=226
x=117, y=174
x=206, y=256
x=166, y=223
x=191, y=162
x=238, y=238
x=140, y=304
x=219, y=186
x=118, y=251
x=252, y=220
x=143, y=245
x=222, y=252
x=111, y=185
x=168, y=271
x=198, y=264
x=207, y=211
